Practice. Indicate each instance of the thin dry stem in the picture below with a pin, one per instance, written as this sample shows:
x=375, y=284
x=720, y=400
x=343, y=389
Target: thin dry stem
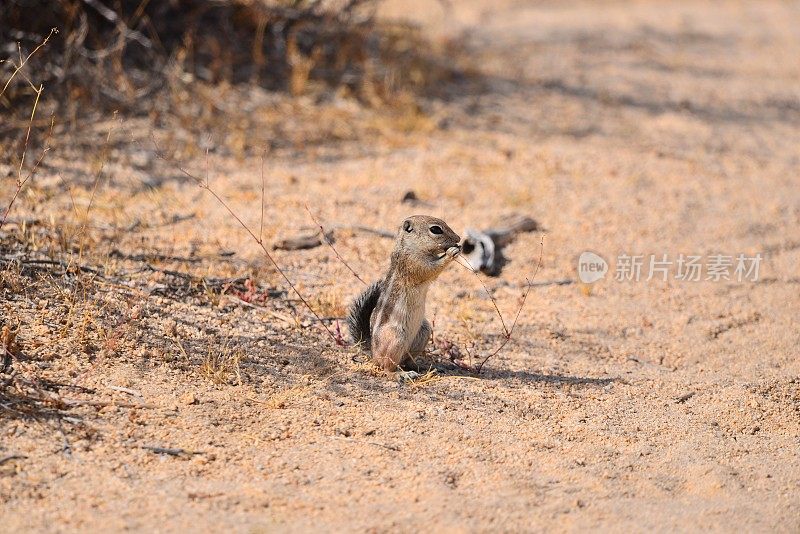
x=28, y=134
x=21, y=182
x=491, y=296
x=94, y=189
x=23, y=62
x=510, y=332
x=252, y=234
x=263, y=188
x=330, y=244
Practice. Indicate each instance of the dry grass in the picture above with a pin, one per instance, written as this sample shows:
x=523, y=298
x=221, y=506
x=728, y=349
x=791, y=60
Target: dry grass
x=221, y=364
x=182, y=64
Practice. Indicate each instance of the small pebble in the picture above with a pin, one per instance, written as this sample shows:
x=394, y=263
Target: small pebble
x=188, y=398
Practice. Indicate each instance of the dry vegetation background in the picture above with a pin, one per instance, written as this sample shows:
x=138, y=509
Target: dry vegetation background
x=158, y=373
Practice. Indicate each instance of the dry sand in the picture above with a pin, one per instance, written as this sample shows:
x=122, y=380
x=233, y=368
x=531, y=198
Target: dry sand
x=622, y=127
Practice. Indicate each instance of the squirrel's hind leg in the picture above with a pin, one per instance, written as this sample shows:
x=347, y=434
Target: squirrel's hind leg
x=417, y=348
x=388, y=348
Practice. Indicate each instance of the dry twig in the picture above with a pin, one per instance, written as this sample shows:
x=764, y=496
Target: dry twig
x=23, y=62
x=12, y=457
x=170, y=451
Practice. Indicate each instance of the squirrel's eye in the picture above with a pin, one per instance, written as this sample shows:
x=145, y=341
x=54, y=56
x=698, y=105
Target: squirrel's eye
x=436, y=230
x=407, y=226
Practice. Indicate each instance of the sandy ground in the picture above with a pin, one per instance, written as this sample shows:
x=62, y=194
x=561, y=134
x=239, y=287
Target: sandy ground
x=623, y=128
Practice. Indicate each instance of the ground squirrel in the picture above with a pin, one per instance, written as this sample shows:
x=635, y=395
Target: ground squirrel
x=388, y=318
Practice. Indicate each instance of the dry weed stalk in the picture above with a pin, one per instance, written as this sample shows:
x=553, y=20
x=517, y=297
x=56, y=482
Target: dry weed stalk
x=24, y=61
x=38, y=90
x=203, y=184
x=97, y=177
x=330, y=244
x=508, y=332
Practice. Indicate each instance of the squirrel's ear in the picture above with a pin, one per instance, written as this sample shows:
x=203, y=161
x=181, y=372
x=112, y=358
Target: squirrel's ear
x=407, y=226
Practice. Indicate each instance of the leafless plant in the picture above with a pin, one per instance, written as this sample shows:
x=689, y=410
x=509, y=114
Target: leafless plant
x=24, y=61
x=330, y=244
x=508, y=332
x=38, y=90
x=203, y=184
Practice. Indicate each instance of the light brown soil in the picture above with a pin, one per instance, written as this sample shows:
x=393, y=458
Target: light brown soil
x=635, y=127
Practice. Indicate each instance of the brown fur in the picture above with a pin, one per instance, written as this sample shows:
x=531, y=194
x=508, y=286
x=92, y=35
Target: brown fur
x=397, y=326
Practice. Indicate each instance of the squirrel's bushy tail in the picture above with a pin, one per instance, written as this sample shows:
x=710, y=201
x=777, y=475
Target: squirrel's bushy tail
x=360, y=311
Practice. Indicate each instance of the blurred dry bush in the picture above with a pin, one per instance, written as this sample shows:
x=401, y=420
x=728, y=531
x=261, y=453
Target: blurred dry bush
x=192, y=58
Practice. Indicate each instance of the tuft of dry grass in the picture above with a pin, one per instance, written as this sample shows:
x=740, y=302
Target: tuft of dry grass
x=220, y=364
x=426, y=379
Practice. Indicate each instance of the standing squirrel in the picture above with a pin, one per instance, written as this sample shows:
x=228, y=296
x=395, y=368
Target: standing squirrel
x=389, y=316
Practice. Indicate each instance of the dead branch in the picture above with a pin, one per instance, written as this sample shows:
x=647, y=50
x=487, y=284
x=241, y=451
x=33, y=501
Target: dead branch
x=102, y=403
x=23, y=62
x=169, y=450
